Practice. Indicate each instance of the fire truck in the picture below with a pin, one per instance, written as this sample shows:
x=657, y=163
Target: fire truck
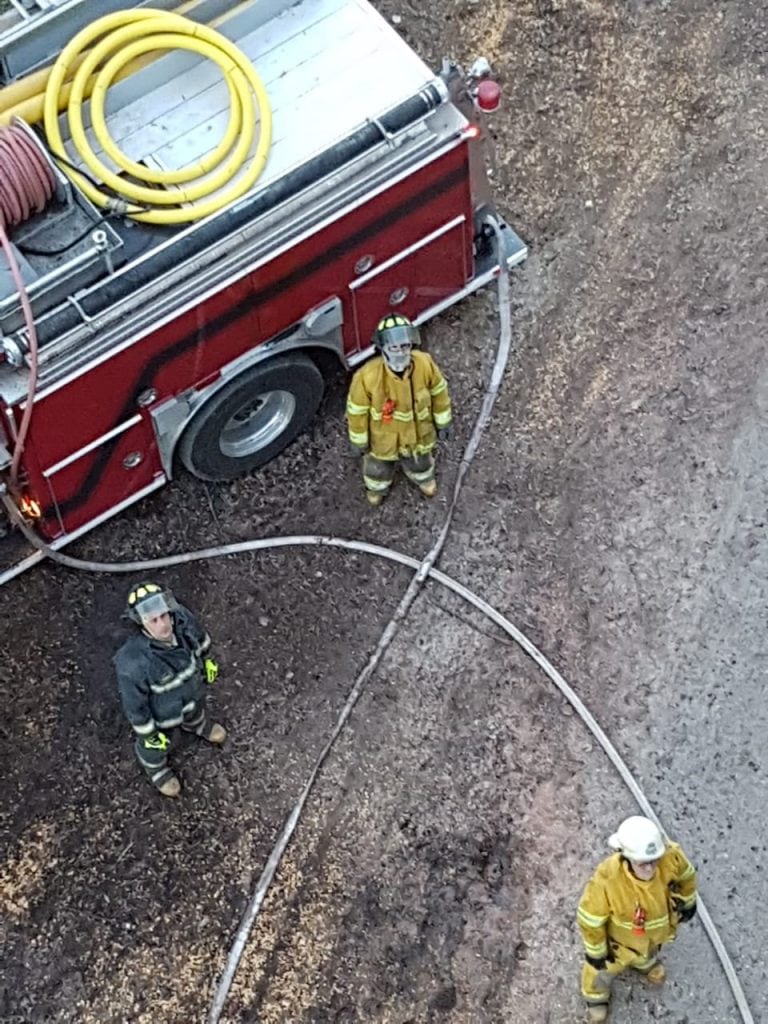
x=201, y=342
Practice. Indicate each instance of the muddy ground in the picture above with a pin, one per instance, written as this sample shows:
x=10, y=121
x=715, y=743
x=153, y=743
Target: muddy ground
x=617, y=514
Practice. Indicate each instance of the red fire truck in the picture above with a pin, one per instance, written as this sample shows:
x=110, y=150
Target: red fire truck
x=203, y=344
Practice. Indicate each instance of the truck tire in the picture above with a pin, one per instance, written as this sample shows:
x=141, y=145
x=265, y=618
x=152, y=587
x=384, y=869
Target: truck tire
x=251, y=419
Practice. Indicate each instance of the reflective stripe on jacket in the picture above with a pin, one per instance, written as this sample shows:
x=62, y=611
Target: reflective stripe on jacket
x=159, y=684
x=608, y=906
x=398, y=416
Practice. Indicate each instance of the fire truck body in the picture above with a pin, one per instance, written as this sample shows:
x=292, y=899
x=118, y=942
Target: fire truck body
x=204, y=344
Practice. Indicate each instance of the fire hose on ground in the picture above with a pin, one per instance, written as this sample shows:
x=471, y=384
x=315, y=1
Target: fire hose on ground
x=423, y=569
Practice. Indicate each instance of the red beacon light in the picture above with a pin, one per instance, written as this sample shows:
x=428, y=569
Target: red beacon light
x=488, y=96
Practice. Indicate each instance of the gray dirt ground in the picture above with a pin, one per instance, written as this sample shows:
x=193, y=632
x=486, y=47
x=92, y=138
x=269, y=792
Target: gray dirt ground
x=617, y=514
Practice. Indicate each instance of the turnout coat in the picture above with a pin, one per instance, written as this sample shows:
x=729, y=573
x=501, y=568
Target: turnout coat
x=398, y=417
x=160, y=684
x=608, y=915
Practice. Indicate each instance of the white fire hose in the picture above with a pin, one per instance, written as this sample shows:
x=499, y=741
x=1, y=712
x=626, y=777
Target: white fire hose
x=424, y=570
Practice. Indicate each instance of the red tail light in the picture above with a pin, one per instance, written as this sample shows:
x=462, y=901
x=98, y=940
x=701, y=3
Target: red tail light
x=30, y=508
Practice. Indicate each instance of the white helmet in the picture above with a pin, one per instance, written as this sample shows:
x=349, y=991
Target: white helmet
x=639, y=839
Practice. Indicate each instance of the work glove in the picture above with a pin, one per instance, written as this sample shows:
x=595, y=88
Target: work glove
x=356, y=449
x=598, y=962
x=211, y=670
x=157, y=741
x=686, y=913
x=444, y=434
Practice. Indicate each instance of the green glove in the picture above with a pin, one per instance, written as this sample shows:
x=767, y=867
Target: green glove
x=157, y=741
x=211, y=670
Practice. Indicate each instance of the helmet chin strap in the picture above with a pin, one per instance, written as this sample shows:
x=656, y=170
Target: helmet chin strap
x=398, y=363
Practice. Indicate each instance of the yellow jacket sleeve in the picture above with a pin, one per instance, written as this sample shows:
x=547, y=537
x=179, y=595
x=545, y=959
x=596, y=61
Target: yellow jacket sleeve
x=592, y=918
x=358, y=410
x=684, y=885
x=441, y=400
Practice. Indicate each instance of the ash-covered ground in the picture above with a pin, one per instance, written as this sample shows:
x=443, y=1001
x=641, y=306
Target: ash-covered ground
x=616, y=512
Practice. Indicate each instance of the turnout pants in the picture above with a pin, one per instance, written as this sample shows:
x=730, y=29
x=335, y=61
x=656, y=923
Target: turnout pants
x=596, y=985
x=378, y=474
x=152, y=751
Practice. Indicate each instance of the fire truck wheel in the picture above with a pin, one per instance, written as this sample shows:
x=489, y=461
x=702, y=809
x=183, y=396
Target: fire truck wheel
x=252, y=418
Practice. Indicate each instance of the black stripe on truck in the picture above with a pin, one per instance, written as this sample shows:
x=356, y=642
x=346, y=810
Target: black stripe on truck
x=145, y=379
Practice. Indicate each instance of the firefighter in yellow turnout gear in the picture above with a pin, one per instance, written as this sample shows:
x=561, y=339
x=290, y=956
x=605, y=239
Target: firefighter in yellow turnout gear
x=631, y=907
x=397, y=409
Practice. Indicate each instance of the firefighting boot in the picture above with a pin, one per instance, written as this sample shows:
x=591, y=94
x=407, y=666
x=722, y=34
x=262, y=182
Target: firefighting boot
x=168, y=784
x=214, y=733
x=374, y=497
x=429, y=490
x=657, y=975
x=598, y=1014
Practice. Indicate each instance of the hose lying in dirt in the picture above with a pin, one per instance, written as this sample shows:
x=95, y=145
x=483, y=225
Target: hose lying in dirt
x=414, y=587
x=362, y=547
x=424, y=569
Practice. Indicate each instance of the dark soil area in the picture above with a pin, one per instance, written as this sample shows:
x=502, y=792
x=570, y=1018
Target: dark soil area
x=616, y=513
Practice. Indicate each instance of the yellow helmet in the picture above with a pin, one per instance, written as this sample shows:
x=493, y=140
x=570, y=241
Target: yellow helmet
x=395, y=329
x=147, y=599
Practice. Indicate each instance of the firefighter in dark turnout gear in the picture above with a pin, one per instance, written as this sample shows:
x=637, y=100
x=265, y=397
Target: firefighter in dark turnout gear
x=163, y=672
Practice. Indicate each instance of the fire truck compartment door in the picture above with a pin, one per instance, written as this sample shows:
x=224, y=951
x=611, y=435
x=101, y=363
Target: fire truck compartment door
x=106, y=474
x=413, y=280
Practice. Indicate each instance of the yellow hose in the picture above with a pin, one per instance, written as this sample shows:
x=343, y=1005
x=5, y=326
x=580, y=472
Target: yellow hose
x=128, y=36
x=30, y=87
x=31, y=108
x=24, y=98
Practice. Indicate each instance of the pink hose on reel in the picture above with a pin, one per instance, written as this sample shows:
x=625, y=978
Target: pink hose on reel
x=26, y=185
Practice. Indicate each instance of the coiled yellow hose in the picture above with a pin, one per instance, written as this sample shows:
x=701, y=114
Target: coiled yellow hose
x=25, y=97
x=126, y=36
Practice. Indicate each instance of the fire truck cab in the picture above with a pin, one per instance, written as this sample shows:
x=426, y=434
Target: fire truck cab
x=203, y=344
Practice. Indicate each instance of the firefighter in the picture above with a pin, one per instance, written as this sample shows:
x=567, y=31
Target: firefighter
x=398, y=407
x=631, y=907
x=162, y=673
